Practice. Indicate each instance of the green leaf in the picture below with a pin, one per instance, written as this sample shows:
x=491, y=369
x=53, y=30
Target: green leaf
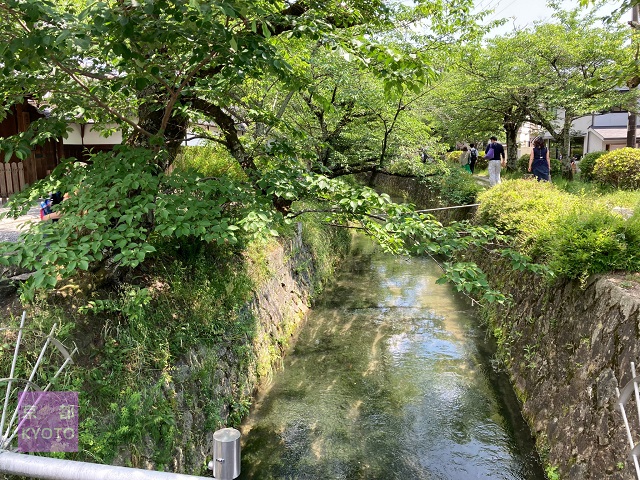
x=265, y=31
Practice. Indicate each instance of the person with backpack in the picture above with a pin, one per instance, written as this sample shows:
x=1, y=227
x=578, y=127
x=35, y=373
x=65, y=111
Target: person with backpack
x=473, y=156
x=464, y=159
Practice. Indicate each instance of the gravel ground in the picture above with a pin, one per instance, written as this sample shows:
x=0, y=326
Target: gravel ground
x=10, y=228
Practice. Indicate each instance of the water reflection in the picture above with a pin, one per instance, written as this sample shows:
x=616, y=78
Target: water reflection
x=386, y=381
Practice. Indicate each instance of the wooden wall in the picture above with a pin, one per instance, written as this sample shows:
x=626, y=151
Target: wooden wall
x=16, y=174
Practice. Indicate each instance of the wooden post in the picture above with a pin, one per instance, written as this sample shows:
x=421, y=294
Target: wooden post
x=14, y=177
x=7, y=177
x=3, y=183
x=21, y=176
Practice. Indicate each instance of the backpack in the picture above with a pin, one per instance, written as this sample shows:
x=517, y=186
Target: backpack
x=474, y=155
x=45, y=208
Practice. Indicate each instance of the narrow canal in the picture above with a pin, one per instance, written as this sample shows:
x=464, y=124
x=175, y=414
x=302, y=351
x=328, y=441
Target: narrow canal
x=390, y=378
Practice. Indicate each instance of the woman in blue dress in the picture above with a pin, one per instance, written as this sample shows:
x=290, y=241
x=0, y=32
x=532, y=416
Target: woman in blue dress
x=539, y=163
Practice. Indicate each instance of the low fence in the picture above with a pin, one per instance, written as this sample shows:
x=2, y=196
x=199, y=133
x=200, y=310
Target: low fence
x=11, y=179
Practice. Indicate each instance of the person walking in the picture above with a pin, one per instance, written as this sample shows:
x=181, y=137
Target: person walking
x=473, y=156
x=494, y=153
x=539, y=163
x=464, y=159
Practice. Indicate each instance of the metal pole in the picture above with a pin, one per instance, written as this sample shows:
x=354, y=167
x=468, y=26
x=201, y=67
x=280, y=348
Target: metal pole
x=30, y=381
x=13, y=368
x=56, y=469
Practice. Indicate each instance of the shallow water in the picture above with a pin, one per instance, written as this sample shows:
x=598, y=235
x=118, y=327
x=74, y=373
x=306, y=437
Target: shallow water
x=390, y=378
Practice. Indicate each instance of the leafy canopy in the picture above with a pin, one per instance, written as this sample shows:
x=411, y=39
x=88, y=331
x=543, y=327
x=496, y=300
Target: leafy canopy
x=245, y=75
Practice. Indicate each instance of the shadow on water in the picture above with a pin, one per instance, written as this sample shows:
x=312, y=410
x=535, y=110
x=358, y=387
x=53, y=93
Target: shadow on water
x=390, y=378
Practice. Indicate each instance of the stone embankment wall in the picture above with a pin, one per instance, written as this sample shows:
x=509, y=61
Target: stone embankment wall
x=412, y=191
x=222, y=380
x=566, y=346
x=278, y=307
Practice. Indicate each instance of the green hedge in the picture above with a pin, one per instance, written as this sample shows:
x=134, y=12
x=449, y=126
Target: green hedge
x=619, y=168
x=574, y=237
x=452, y=186
x=587, y=163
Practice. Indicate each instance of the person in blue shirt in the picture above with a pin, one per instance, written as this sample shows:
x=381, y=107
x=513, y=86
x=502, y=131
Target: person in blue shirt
x=46, y=211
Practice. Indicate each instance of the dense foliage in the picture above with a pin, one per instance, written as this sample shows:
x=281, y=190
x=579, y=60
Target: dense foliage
x=575, y=238
x=570, y=65
x=451, y=186
x=131, y=392
x=587, y=163
x=300, y=95
x=619, y=168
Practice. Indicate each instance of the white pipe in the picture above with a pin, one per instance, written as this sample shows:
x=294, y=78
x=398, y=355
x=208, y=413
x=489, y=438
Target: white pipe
x=56, y=469
x=30, y=381
x=13, y=368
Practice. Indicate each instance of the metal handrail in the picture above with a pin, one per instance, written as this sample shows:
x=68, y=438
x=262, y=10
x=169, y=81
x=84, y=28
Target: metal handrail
x=630, y=388
x=57, y=469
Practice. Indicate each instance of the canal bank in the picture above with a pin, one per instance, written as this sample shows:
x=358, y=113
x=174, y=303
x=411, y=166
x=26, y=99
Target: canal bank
x=390, y=378
x=566, y=347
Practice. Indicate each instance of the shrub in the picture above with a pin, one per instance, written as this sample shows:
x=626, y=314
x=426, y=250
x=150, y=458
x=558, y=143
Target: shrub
x=587, y=163
x=458, y=187
x=619, y=168
x=209, y=160
x=574, y=237
x=592, y=241
x=522, y=164
x=452, y=186
x=481, y=162
x=453, y=157
x=521, y=207
x=556, y=167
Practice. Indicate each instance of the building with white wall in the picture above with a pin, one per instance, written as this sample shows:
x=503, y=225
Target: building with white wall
x=590, y=133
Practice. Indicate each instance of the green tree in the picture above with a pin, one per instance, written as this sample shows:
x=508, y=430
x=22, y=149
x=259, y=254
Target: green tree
x=486, y=91
x=549, y=75
x=155, y=69
x=578, y=65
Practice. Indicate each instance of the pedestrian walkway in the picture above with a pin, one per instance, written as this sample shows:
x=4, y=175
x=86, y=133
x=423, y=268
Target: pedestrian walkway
x=10, y=228
x=483, y=180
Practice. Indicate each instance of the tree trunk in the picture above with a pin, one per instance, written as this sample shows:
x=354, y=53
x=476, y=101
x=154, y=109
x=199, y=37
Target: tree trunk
x=631, y=129
x=633, y=83
x=565, y=147
x=511, y=131
x=150, y=119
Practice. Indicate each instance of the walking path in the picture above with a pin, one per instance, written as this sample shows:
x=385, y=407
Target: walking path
x=482, y=180
x=10, y=228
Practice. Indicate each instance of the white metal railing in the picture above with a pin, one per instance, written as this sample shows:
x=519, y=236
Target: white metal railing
x=631, y=388
x=56, y=469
